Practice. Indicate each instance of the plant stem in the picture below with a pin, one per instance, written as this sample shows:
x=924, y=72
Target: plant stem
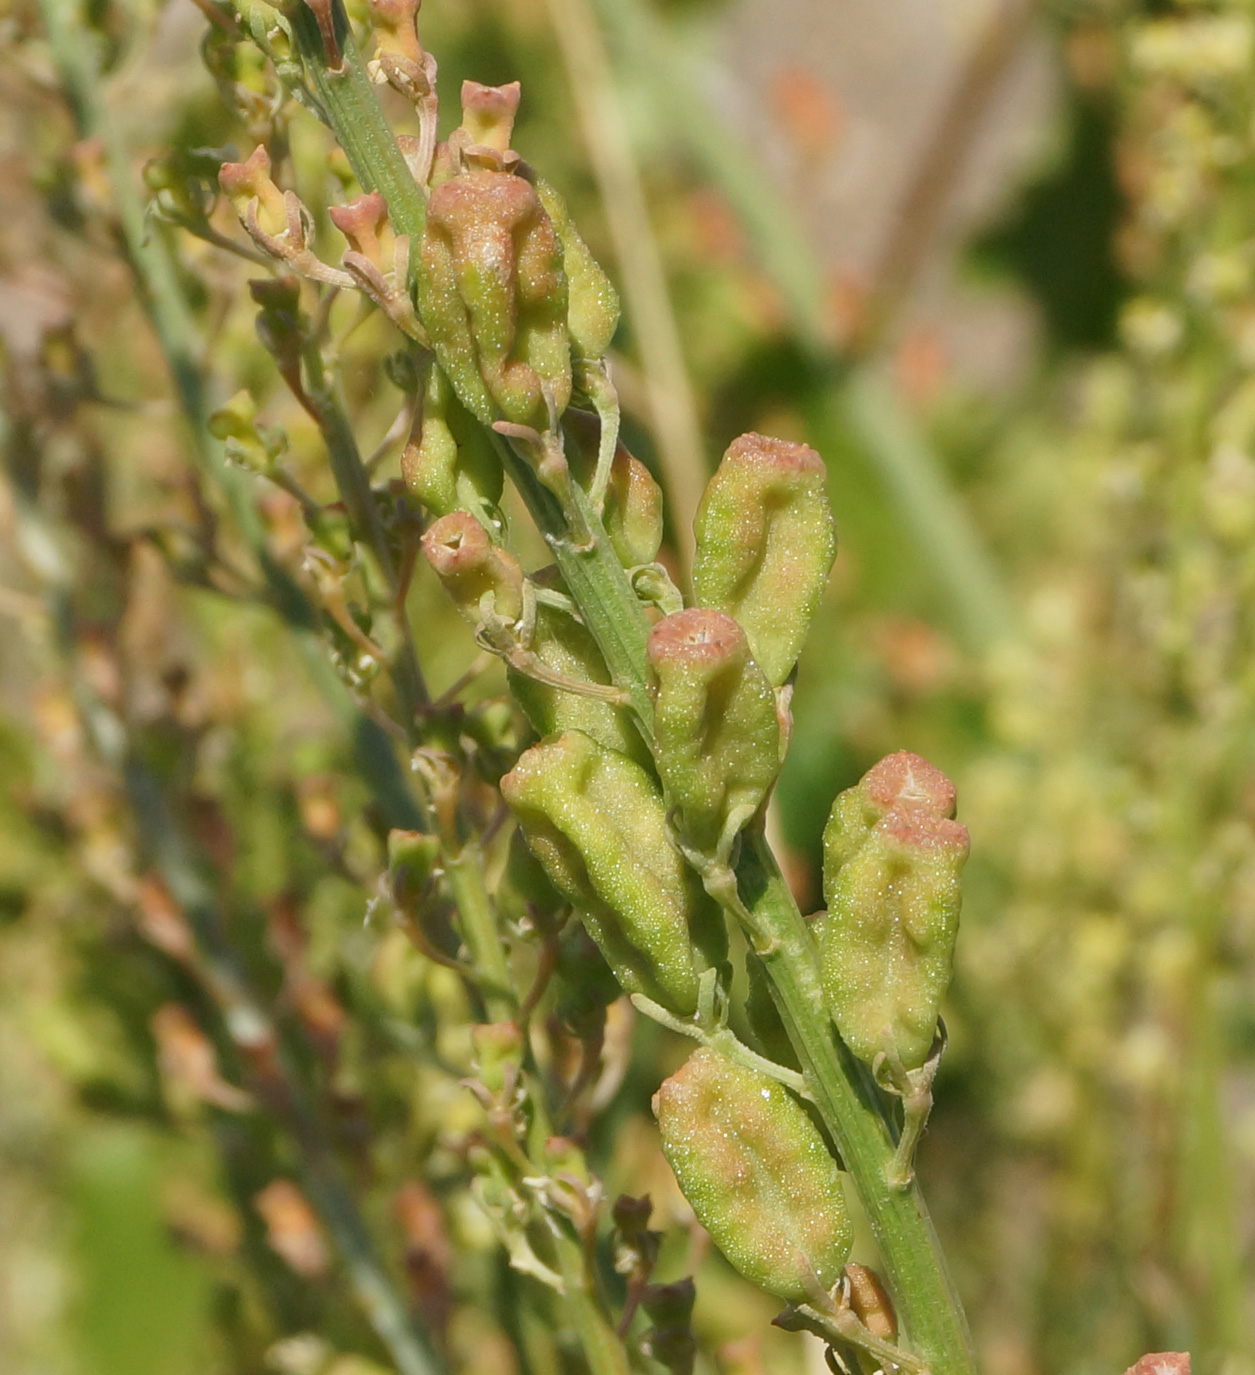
x=939, y=528
x=75, y=49
x=465, y=873
x=915, y=1269
x=918, y=1280
x=618, y=176
x=593, y=575
x=180, y=869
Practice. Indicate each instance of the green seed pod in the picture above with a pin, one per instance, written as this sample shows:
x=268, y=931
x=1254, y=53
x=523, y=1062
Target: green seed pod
x=716, y=733
x=493, y=295
x=757, y=1174
x=563, y=644
x=472, y=567
x=449, y=465
x=412, y=859
x=597, y=823
x=593, y=307
x=765, y=545
x=633, y=510
x=892, y=860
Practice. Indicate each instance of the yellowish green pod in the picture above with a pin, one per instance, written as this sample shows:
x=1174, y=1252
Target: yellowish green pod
x=766, y=541
x=756, y=1172
x=633, y=509
x=893, y=856
x=493, y=295
x=597, y=823
x=593, y=306
x=563, y=644
x=449, y=464
x=471, y=567
x=716, y=732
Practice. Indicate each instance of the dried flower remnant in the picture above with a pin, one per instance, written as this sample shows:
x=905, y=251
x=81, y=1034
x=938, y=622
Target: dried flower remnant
x=292, y=1229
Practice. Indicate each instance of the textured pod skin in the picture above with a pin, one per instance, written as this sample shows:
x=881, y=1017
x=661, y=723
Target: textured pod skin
x=597, y=823
x=493, y=294
x=765, y=545
x=633, y=513
x=757, y=1174
x=470, y=566
x=593, y=308
x=563, y=644
x=716, y=733
x=892, y=862
x=449, y=465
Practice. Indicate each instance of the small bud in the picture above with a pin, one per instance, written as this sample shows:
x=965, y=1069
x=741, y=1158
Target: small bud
x=245, y=182
x=499, y=1050
x=493, y=294
x=892, y=860
x=633, y=510
x=563, y=644
x=757, y=1174
x=412, y=858
x=393, y=24
x=671, y=1341
x=870, y=1304
x=488, y=114
x=247, y=443
x=765, y=545
x=472, y=567
x=449, y=463
x=716, y=733
x=593, y=306
x=364, y=222
x=597, y=823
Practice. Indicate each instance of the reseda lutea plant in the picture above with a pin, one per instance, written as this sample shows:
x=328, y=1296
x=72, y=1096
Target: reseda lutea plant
x=660, y=730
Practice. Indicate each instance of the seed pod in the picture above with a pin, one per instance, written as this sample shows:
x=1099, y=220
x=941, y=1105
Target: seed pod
x=563, y=644
x=412, y=858
x=593, y=307
x=757, y=1174
x=449, y=465
x=765, y=545
x=716, y=734
x=472, y=567
x=892, y=860
x=597, y=823
x=493, y=295
x=633, y=510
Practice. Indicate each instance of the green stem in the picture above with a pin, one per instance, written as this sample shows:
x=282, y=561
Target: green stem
x=915, y=1269
x=76, y=50
x=180, y=869
x=465, y=874
x=916, y=1273
x=593, y=575
x=353, y=483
